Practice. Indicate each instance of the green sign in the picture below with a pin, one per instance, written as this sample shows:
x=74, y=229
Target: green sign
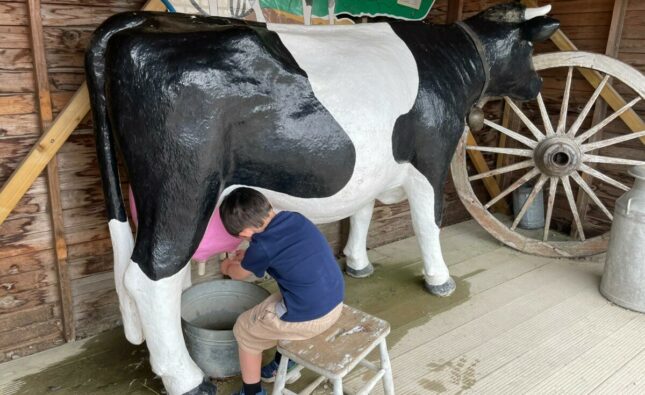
x=401, y=9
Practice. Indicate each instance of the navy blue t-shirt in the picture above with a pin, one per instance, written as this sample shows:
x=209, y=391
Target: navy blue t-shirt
x=294, y=252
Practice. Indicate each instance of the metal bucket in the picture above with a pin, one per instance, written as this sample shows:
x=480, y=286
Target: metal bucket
x=534, y=216
x=208, y=313
x=623, y=280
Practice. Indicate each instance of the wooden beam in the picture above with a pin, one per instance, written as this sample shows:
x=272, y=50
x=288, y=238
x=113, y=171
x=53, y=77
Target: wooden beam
x=455, y=11
x=613, y=98
x=48, y=145
x=600, y=109
x=56, y=208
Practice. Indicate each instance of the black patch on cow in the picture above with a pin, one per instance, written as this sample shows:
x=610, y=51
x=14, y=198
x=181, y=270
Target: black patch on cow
x=451, y=78
x=201, y=103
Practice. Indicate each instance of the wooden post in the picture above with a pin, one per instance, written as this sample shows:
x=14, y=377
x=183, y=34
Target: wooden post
x=45, y=112
x=600, y=109
x=49, y=143
x=455, y=11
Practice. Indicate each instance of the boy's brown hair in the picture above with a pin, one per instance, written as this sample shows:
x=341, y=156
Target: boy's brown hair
x=243, y=208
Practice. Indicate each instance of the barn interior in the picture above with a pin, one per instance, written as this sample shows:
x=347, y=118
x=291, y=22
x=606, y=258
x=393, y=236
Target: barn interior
x=526, y=317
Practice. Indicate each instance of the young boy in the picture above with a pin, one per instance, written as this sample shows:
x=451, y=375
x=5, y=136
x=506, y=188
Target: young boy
x=292, y=250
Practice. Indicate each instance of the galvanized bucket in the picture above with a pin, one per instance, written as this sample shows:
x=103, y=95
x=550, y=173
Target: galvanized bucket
x=208, y=312
x=534, y=216
x=623, y=280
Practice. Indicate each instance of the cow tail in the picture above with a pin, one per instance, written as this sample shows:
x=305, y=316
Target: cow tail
x=95, y=77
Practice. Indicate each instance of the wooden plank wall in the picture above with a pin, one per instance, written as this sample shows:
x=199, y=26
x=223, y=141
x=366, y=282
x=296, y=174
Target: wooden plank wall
x=30, y=314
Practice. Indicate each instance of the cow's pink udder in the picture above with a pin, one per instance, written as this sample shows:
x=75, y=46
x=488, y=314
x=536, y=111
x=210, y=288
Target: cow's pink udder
x=216, y=239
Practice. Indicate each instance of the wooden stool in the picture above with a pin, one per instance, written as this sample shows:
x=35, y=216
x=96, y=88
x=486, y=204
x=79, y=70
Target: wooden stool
x=337, y=351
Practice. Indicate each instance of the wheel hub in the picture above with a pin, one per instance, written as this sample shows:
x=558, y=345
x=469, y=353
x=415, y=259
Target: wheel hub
x=557, y=156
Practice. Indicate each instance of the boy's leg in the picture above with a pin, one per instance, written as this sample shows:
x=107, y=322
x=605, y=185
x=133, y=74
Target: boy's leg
x=250, y=364
x=251, y=342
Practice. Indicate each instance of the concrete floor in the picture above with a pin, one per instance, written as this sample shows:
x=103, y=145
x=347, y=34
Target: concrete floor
x=516, y=324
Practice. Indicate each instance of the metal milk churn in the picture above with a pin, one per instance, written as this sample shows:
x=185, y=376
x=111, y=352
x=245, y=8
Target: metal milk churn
x=623, y=281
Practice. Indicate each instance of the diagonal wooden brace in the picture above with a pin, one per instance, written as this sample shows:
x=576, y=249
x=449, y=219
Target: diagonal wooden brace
x=50, y=142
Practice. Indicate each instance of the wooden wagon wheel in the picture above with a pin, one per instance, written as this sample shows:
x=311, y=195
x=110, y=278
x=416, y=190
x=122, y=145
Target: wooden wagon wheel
x=555, y=156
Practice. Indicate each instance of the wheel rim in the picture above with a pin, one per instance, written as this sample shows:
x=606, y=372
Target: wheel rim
x=555, y=156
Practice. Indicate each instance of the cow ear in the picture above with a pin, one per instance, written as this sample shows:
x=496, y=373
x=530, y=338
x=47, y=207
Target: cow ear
x=540, y=28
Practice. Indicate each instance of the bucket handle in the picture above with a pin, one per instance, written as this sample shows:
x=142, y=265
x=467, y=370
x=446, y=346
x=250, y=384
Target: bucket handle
x=629, y=204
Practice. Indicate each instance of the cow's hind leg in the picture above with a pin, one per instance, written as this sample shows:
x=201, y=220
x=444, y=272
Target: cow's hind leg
x=155, y=278
x=122, y=246
x=421, y=197
x=159, y=305
x=358, y=264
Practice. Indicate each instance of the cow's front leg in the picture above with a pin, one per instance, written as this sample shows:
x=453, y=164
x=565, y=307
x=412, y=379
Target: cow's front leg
x=358, y=263
x=159, y=306
x=421, y=197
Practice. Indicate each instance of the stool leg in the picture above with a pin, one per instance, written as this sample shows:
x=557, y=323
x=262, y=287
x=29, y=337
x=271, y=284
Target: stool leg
x=388, y=382
x=281, y=376
x=338, y=386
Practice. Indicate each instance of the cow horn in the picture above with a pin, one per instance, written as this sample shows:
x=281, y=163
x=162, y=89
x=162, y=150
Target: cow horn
x=531, y=13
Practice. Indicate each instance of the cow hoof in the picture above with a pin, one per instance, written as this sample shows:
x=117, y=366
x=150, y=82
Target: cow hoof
x=205, y=388
x=362, y=273
x=443, y=290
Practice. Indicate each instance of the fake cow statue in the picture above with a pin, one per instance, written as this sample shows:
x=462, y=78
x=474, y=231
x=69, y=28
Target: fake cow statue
x=323, y=120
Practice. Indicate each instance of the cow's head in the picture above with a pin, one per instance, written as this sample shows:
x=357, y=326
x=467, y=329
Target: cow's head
x=507, y=32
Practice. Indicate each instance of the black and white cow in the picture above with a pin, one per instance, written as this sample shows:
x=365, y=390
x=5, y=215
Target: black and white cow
x=323, y=120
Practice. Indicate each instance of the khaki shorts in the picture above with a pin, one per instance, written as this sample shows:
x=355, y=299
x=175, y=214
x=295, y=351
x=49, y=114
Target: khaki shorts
x=260, y=328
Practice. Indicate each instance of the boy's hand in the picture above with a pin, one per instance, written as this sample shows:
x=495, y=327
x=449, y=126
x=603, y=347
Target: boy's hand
x=232, y=268
x=226, y=264
x=239, y=255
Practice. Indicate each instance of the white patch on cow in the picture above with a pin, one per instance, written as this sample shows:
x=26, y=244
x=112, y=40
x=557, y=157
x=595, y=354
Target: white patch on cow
x=122, y=246
x=159, y=305
x=366, y=77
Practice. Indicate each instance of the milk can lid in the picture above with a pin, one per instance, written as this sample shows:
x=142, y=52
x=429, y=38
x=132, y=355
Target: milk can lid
x=638, y=172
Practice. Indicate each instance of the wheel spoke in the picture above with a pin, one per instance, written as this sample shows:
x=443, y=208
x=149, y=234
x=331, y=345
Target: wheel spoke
x=545, y=116
x=534, y=129
x=518, y=183
x=529, y=200
x=502, y=170
x=500, y=150
x=576, y=177
x=516, y=136
x=606, y=143
x=612, y=160
x=553, y=186
x=562, y=122
x=572, y=205
x=606, y=121
x=595, y=173
x=585, y=110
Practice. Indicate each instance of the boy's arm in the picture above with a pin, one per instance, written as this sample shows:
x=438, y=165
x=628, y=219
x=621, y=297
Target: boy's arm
x=234, y=270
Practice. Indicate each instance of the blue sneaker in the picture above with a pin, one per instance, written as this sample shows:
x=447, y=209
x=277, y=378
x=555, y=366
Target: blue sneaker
x=241, y=392
x=270, y=370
